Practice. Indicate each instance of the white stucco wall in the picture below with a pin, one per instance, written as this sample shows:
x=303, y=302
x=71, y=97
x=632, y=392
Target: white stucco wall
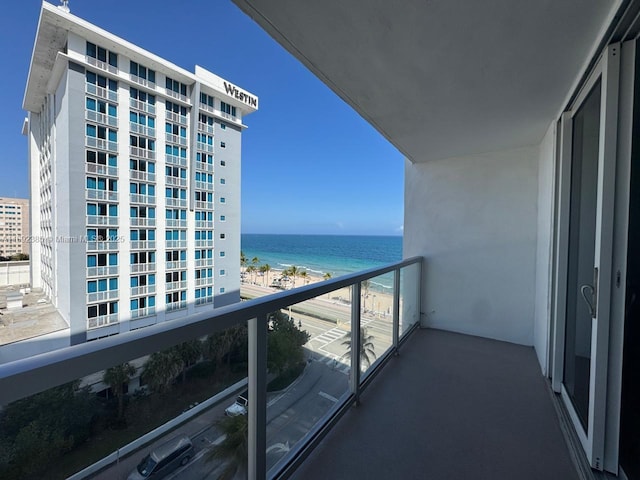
x=474, y=219
x=15, y=273
x=542, y=315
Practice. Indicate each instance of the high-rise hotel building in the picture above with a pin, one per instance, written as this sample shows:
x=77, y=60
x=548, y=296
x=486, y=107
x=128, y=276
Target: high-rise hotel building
x=14, y=226
x=135, y=180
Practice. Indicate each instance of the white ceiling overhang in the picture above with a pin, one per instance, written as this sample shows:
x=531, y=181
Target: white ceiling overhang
x=444, y=78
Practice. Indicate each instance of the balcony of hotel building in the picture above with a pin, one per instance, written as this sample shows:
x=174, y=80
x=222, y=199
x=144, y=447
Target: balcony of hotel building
x=509, y=350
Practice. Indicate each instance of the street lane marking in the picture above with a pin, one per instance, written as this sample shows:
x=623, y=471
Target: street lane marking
x=328, y=397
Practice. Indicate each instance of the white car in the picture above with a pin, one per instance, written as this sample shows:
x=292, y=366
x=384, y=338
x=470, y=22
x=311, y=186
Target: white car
x=239, y=407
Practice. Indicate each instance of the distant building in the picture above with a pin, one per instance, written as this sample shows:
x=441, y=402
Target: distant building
x=14, y=226
x=135, y=180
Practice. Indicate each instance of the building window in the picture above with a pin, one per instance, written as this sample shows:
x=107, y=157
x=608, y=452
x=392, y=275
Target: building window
x=222, y=253
x=102, y=54
x=221, y=289
x=223, y=218
x=100, y=81
x=223, y=235
x=223, y=126
x=142, y=96
x=175, y=108
x=223, y=145
x=223, y=181
x=223, y=163
x=223, y=200
x=222, y=273
x=206, y=99
x=175, y=86
x=142, y=72
x=226, y=108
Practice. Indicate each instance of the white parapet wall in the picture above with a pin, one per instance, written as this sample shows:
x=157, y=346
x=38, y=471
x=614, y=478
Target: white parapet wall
x=15, y=273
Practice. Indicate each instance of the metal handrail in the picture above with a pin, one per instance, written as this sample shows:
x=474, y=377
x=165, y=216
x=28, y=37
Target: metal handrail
x=31, y=375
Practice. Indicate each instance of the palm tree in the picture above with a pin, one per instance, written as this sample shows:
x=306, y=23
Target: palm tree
x=162, y=368
x=250, y=270
x=189, y=353
x=293, y=271
x=305, y=277
x=265, y=269
x=367, y=348
x=243, y=264
x=234, y=449
x=326, y=276
x=365, y=284
x=116, y=377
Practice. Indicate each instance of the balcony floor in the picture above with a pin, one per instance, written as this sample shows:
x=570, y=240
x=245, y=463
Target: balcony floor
x=451, y=406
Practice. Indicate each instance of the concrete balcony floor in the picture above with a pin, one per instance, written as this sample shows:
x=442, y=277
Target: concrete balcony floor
x=451, y=406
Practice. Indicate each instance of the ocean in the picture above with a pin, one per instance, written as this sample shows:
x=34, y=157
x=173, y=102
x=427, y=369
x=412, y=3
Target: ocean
x=319, y=254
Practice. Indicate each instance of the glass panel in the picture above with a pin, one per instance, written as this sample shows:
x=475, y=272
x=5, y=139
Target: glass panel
x=308, y=364
x=376, y=319
x=582, y=233
x=183, y=390
x=409, y=297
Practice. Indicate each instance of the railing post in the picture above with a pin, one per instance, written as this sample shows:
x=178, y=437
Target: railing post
x=257, y=411
x=355, y=342
x=396, y=310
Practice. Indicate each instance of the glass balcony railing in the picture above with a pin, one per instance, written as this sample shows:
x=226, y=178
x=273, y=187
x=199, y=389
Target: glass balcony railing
x=295, y=361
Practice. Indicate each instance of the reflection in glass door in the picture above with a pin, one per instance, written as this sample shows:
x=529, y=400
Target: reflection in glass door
x=581, y=274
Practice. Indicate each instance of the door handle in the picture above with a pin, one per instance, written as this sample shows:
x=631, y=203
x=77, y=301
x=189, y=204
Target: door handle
x=591, y=298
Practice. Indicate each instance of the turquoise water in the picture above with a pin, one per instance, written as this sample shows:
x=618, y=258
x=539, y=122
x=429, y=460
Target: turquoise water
x=319, y=254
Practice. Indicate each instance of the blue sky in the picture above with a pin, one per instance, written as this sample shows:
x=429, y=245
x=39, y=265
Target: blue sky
x=310, y=164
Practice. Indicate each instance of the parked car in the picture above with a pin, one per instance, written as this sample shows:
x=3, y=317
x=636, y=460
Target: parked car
x=239, y=407
x=164, y=459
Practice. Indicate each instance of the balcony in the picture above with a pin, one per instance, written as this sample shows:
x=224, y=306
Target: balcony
x=94, y=194
x=144, y=176
x=101, y=169
x=205, y=128
x=143, y=222
x=143, y=267
x=435, y=402
x=101, y=92
x=176, y=117
x=142, y=153
x=101, y=65
x=142, y=129
x=142, y=81
x=176, y=202
x=175, y=160
x=179, y=285
x=143, y=244
x=176, y=265
x=142, y=199
x=176, y=222
x=142, y=106
x=177, y=139
x=207, y=167
x=205, y=147
x=176, y=181
x=204, y=262
x=101, y=143
x=143, y=290
x=101, y=118
x=177, y=96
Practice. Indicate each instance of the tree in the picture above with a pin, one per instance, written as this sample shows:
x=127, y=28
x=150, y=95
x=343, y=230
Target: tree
x=189, y=353
x=265, y=269
x=293, y=271
x=39, y=429
x=305, y=277
x=222, y=344
x=326, y=276
x=250, y=270
x=162, y=368
x=365, y=284
x=234, y=449
x=117, y=377
x=284, y=343
x=243, y=264
x=367, y=348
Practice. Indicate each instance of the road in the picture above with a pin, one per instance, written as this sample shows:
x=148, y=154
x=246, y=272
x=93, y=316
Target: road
x=292, y=413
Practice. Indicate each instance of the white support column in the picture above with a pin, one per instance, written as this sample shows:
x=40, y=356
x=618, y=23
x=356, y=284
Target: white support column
x=257, y=461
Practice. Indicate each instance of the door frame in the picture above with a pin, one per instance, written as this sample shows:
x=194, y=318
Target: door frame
x=607, y=70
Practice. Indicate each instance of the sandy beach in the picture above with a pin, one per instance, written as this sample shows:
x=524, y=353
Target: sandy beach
x=373, y=301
